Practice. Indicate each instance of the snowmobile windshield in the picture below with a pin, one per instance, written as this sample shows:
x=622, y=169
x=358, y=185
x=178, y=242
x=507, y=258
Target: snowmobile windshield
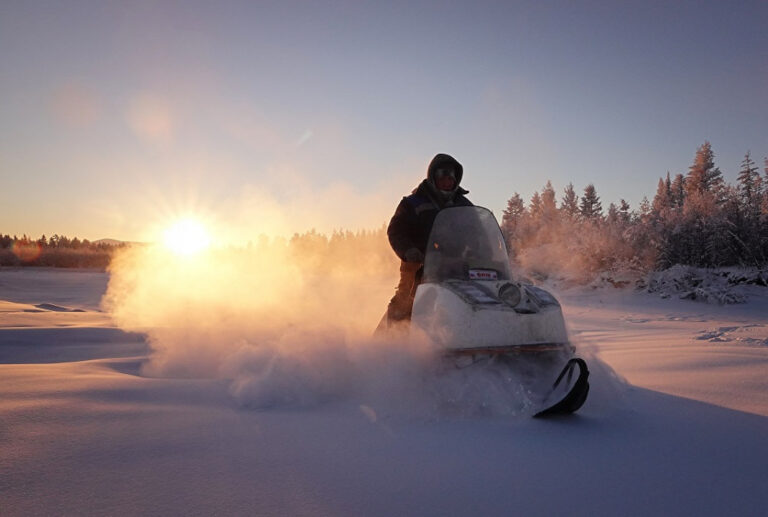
x=465, y=244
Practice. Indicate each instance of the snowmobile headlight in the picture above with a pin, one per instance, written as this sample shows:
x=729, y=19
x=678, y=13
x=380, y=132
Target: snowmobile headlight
x=510, y=294
x=541, y=297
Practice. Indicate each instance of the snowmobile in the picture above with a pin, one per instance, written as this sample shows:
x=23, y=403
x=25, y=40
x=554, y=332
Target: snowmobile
x=468, y=304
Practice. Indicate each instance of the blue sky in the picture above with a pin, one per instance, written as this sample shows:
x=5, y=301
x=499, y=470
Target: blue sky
x=115, y=115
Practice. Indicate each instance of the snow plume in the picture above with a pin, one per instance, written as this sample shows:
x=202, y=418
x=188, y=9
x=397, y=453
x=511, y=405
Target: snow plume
x=285, y=319
x=578, y=251
x=288, y=323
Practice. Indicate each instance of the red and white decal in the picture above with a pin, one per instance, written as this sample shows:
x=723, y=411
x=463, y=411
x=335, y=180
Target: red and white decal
x=483, y=274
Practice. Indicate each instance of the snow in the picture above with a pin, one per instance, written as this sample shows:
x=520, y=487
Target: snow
x=723, y=286
x=675, y=424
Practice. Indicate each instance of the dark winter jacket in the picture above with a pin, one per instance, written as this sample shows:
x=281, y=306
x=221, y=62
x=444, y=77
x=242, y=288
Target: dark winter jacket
x=413, y=219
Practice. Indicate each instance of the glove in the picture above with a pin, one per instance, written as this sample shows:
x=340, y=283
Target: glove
x=414, y=255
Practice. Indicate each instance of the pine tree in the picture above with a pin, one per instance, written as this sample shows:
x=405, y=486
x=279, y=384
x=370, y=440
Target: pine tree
x=590, y=207
x=764, y=206
x=677, y=191
x=569, y=205
x=749, y=185
x=668, y=186
x=512, y=215
x=535, y=206
x=624, y=214
x=511, y=222
x=763, y=233
x=703, y=176
x=730, y=235
x=645, y=208
x=548, y=203
x=661, y=201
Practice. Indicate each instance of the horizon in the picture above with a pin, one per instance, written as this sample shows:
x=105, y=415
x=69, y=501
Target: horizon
x=157, y=236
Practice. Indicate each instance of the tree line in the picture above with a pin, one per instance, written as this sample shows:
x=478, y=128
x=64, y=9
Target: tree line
x=694, y=219
x=55, y=251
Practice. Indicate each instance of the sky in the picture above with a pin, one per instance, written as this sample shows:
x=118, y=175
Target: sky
x=116, y=117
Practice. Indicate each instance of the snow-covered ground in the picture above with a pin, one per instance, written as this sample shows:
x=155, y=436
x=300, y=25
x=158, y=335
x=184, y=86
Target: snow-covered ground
x=676, y=423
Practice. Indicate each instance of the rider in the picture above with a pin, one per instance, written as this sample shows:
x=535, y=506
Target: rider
x=409, y=228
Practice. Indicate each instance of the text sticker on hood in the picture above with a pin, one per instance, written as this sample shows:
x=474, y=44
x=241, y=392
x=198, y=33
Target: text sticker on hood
x=483, y=274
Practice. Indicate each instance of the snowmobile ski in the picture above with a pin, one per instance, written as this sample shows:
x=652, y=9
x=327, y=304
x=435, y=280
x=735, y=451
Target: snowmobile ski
x=574, y=397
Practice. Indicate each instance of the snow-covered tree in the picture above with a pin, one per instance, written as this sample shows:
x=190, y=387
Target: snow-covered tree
x=590, y=207
x=569, y=204
x=645, y=208
x=703, y=176
x=663, y=198
x=535, y=207
x=764, y=182
x=510, y=219
x=677, y=191
x=624, y=214
x=749, y=184
x=548, y=204
x=695, y=219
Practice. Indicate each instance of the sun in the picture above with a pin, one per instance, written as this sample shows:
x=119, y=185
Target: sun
x=186, y=237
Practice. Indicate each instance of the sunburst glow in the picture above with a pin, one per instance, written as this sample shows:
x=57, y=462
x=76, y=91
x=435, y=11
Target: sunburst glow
x=186, y=237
